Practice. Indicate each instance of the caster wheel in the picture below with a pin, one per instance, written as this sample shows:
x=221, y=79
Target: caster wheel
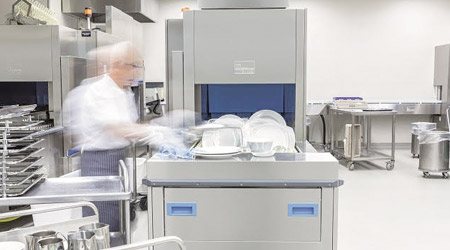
x=390, y=165
x=351, y=166
x=143, y=204
x=445, y=175
x=426, y=175
x=132, y=213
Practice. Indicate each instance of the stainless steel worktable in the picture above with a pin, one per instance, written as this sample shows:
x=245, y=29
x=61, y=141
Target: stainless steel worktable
x=63, y=190
x=359, y=116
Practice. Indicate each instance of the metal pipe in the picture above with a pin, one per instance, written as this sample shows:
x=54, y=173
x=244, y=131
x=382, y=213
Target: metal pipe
x=154, y=242
x=126, y=204
x=49, y=209
x=448, y=119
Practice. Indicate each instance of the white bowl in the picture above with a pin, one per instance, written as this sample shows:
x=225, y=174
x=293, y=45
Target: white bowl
x=260, y=145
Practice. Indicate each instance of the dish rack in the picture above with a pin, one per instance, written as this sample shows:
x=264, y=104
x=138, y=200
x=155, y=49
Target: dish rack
x=19, y=135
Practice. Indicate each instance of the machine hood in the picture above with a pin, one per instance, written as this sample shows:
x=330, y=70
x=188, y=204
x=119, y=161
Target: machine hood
x=143, y=11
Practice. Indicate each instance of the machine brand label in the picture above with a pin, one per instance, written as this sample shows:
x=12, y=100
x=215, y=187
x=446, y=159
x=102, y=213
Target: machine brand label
x=14, y=70
x=244, y=67
x=86, y=33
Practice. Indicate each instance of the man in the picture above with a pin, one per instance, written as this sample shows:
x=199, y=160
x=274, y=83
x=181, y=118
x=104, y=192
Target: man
x=102, y=115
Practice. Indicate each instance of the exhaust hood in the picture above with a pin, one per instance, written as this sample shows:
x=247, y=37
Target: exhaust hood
x=144, y=11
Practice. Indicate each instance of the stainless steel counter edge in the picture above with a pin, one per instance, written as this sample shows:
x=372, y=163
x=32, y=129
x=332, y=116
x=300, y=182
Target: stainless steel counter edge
x=27, y=200
x=241, y=183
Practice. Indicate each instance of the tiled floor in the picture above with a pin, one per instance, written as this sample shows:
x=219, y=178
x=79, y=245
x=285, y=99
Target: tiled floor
x=381, y=209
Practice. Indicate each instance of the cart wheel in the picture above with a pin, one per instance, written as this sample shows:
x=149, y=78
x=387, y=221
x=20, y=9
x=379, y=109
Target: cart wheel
x=132, y=212
x=351, y=166
x=390, y=165
x=445, y=175
x=143, y=204
x=426, y=175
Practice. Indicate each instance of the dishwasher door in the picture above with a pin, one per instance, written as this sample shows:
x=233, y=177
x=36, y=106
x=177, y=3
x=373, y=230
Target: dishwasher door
x=244, y=214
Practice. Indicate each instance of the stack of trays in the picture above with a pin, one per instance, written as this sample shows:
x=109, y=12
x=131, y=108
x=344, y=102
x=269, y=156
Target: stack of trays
x=18, y=159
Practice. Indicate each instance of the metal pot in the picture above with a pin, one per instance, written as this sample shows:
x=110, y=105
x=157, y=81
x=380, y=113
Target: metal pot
x=51, y=244
x=101, y=231
x=32, y=239
x=83, y=240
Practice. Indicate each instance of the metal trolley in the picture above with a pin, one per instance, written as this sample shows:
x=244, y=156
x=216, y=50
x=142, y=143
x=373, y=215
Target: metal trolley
x=76, y=189
x=367, y=153
x=73, y=225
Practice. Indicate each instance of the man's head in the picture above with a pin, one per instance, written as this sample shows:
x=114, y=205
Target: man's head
x=122, y=61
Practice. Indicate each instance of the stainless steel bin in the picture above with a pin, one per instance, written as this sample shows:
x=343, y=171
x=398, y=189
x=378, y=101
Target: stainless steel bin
x=434, y=153
x=416, y=129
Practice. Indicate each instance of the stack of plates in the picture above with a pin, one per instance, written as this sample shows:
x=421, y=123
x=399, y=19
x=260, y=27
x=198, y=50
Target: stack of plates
x=216, y=152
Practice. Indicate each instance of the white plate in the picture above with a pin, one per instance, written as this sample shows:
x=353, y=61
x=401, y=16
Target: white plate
x=264, y=154
x=12, y=245
x=230, y=121
x=230, y=137
x=204, y=151
x=281, y=135
x=270, y=115
x=217, y=157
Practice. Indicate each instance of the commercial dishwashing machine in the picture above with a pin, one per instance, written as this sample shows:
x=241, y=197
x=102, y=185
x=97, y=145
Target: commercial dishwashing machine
x=285, y=202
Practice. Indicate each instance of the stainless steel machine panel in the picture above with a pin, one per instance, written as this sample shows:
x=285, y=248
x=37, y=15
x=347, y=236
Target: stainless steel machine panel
x=242, y=46
x=236, y=214
x=29, y=53
x=244, y=4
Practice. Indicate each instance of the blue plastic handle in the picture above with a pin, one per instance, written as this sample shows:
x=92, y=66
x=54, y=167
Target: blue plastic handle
x=303, y=210
x=182, y=209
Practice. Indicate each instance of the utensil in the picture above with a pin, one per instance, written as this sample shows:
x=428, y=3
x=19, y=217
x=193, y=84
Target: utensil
x=101, y=231
x=32, y=239
x=84, y=240
x=12, y=245
x=51, y=244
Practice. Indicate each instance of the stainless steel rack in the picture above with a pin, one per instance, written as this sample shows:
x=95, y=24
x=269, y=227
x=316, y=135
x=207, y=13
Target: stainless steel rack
x=19, y=134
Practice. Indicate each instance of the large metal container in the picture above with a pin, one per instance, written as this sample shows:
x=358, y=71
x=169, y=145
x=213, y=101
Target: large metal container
x=434, y=157
x=416, y=129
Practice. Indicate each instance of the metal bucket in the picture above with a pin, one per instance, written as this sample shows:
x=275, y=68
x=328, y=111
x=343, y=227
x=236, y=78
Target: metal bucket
x=101, y=231
x=84, y=240
x=434, y=157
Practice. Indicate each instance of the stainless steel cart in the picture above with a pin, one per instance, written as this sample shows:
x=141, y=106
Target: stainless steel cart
x=65, y=190
x=61, y=227
x=367, y=152
x=152, y=243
